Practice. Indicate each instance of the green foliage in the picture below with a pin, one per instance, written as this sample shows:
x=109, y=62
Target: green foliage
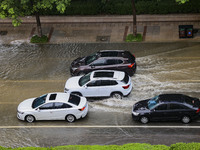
x=131, y=38
x=37, y=39
x=185, y=146
x=14, y=9
x=131, y=146
x=124, y=7
x=182, y=1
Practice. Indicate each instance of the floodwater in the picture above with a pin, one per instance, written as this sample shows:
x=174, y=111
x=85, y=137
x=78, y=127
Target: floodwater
x=29, y=70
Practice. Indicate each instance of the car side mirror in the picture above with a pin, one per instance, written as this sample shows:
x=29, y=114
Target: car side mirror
x=92, y=66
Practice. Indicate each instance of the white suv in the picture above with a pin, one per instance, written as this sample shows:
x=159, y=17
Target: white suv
x=100, y=83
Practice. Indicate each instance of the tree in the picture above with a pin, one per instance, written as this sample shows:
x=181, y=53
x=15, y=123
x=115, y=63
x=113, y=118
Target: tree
x=18, y=8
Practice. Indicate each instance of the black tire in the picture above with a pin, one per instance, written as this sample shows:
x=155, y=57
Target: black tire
x=77, y=93
x=30, y=118
x=186, y=119
x=144, y=119
x=116, y=95
x=70, y=118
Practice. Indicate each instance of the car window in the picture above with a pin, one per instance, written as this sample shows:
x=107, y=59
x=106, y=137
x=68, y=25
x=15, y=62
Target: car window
x=94, y=83
x=113, y=61
x=39, y=101
x=74, y=99
x=161, y=107
x=47, y=106
x=177, y=106
x=84, y=79
x=109, y=54
x=59, y=105
x=91, y=58
x=108, y=82
x=125, y=79
x=99, y=62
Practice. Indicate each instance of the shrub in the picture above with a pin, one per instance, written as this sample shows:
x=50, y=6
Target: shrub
x=185, y=146
x=131, y=38
x=37, y=39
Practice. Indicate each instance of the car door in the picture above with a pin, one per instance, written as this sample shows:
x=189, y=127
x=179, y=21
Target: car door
x=92, y=89
x=97, y=65
x=44, y=112
x=60, y=111
x=159, y=112
x=176, y=111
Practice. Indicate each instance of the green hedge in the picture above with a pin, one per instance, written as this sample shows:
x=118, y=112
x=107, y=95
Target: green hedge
x=37, y=39
x=132, y=146
x=124, y=7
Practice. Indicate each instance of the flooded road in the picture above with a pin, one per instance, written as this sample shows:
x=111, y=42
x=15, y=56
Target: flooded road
x=32, y=70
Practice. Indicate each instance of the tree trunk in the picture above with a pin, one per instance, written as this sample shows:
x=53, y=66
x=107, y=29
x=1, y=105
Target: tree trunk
x=39, y=28
x=134, y=19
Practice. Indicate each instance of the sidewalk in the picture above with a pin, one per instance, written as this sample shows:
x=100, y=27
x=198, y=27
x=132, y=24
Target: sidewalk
x=64, y=29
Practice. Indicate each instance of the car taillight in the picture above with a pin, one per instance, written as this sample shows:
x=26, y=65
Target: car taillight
x=130, y=66
x=126, y=87
x=82, y=109
x=198, y=110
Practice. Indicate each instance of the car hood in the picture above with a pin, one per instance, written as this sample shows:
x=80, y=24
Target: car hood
x=78, y=62
x=26, y=105
x=72, y=82
x=141, y=105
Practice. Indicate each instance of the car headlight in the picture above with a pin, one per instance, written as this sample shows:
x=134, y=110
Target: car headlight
x=20, y=112
x=135, y=113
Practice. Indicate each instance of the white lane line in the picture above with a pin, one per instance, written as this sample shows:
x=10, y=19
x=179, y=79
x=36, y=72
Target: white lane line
x=99, y=126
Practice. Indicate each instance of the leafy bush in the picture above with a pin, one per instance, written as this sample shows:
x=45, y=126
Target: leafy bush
x=131, y=146
x=124, y=7
x=185, y=146
x=131, y=38
x=37, y=39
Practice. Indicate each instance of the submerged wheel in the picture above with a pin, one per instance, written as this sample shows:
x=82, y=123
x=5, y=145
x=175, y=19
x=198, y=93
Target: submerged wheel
x=117, y=95
x=70, y=118
x=185, y=119
x=144, y=119
x=30, y=118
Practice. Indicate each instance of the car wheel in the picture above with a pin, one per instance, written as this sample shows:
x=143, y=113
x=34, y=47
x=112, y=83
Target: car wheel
x=70, y=118
x=186, y=119
x=30, y=118
x=144, y=119
x=117, y=95
x=77, y=93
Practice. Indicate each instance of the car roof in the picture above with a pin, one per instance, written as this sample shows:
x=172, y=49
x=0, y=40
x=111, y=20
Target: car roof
x=172, y=98
x=107, y=74
x=57, y=97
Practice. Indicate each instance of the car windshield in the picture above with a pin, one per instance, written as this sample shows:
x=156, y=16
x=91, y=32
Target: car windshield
x=91, y=58
x=153, y=102
x=84, y=79
x=39, y=101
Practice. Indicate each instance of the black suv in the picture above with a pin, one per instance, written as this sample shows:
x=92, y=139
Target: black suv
x=105, y=60
x=174, y=107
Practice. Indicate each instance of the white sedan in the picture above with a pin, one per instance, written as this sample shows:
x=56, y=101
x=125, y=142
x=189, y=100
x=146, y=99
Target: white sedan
x=100, y=83
x=53, y=106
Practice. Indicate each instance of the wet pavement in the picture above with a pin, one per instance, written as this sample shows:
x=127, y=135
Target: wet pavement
x=28, y=70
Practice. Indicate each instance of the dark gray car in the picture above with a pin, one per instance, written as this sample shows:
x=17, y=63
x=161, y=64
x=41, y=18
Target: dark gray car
x=105, y=60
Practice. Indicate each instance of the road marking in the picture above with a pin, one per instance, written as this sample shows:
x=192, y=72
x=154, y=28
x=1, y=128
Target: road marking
x=101, y=126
